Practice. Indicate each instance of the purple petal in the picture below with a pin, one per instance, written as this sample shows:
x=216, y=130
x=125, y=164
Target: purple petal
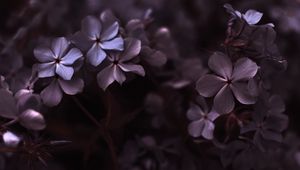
x=64, y=72
x=196, y=127
x=212, y=115
x=108, y=18
x=43, y=54
x=137, y=69
x=118, y=74
x=52, y=94
x=8, y=108
x=96, y=55
x=241, y=93
x=46, y=70
x=224, y=101
x=71, y=87
x=73, y=55
x=91, y=27
x=221, y=65
x=32, y=119
x=208, y=130
x=11, y=139
x=244, y=69
x=81, y=41
x=59, y=46
x=105, y=77
x=110, y=32
x=252, y=17
x=114, y=44
x=195, y=112
x=153, y=57
x=209, y=85
x=132, y=49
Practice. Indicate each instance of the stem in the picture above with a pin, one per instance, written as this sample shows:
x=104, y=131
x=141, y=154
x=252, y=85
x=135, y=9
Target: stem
x=105, y=133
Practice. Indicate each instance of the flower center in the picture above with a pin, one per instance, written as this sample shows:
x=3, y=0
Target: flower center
x=229, y=81
x=57, y=60
x=115, y=62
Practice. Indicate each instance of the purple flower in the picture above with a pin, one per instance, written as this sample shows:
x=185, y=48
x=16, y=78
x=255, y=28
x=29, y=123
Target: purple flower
x=121, y=62
x=53, y=93
x=98, y=36
x=228, y=81
x=57, y=59
x=269, y=123
x=202, y=122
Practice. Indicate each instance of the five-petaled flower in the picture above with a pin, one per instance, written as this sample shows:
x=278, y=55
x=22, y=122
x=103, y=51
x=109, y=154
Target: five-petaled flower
x=120, y=62
x=227, y=81
x=98, y=37
x=57, y=59
x=202, y=121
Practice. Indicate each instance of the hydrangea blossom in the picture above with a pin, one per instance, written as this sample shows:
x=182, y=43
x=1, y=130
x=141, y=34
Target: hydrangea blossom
x=227, y=81
x=120, y=63
x=202, y=122
x=57, y=59
x=98, y=36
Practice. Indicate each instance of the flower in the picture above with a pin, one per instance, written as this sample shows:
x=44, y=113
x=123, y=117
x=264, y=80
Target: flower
x=267, y=123
x=121, y=62
x=202, y=122
x=98, y=36
x=227, y=81
x=57, y=59
x=53, y=93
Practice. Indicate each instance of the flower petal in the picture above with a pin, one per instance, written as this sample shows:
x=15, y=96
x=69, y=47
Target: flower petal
x=209, y=85
x=110, y=32
x=137, y=69
x=105, y=77
x=252, y=17
x=208, y=130
x=81, y=41
x=32, y=119
x=91, y=27
x=71, y=87
x=46, y=70
x=224, y=101
x=244, y=69
x=114, y=44
x=118, y=74
x=195, y=112
x=96, y=55
x=241, y=93
x=52, y=94
x=11, y=139
x=212, y=115
x=132, y=49
x=59, y=46
x=43, y=54
x=195, y=128
x=64, y=72
x=221, y=65
x=73, y=55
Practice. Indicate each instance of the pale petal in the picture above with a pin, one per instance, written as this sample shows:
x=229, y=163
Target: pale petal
x=195, y=112
x=241, y=93
x=224, y=101
x=32, y=119
x=91, y=27
x=114, y=44
x=46, y=70
x=208, y=130
x=43, y=54
x=52, y=94
x=59, y=46
x=96, y=55
x=64, y=72
x=71, y=87
x=105, y=77
x=132, y=49
x=118, y=74
x=244, y=69
x=221, y=65
x=110, y=32
x=73, y=55
x=209, y=85
x=195, y=128
x=252, y=17
x=137, y=69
